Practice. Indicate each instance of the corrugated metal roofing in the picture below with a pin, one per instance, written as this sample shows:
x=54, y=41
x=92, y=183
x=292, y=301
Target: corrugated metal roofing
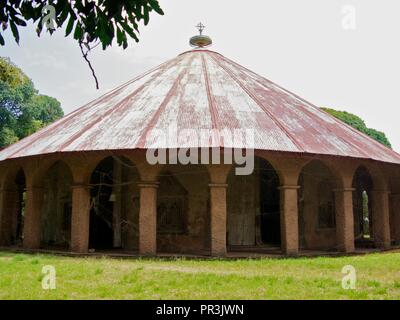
x=200, y=89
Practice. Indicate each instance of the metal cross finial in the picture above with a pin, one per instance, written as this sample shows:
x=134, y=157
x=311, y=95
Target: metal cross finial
x=201, y=27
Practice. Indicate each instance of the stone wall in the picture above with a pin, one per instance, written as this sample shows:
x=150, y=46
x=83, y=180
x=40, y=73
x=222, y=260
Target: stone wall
x=194, y=180
x=312, y=234
x=57, y=207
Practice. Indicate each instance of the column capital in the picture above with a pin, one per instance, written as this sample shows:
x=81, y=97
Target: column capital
x=288, y=187
x=34, y=188
x=218, y=185
x=344, y=190
x=149, y=184
x=80, y=186
x=381, y=191
x=7, y=190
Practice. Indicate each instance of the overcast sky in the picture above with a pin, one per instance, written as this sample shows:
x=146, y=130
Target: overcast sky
x=305, y=46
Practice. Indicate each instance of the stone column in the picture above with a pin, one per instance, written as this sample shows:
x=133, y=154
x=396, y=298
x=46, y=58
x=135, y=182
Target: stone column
x=32, y=220
x=395, y=207
x=289, y=220
x=218, y=219
x=344, y=219
x=148, y=218
x=380, y=218
x=80, y=218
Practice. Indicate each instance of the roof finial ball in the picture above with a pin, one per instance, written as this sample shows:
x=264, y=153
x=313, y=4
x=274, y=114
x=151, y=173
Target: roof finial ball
x=200, y=41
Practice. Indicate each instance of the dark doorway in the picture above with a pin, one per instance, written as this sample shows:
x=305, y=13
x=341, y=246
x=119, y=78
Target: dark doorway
x=253, y=207
x=362, y=209
x=101, y=213
x=269, y=204
x=114, y=213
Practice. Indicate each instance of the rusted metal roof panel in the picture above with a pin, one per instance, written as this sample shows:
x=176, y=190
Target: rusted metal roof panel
x=200, y=89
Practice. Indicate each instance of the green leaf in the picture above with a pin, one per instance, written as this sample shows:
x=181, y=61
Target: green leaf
x=156, y=6
x=137, y=10
x=120, y=36
x=19, y=22
x=70, y=25
x=146, y=15
x=78, y=31
x=39, y=28
x=62, y=17
x=132, y=19
x=129, y=30
x=14, y=30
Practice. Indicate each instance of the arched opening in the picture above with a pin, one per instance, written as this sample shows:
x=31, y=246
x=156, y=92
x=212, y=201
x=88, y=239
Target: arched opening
x=253, y=208
x=317, y=223
x=183, y=210
x=13, y=208
x=57, y=207
x=362, y=208
x=114, y=213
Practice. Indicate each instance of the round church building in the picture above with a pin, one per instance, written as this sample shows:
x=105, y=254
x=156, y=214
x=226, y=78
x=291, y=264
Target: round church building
x=199, y=156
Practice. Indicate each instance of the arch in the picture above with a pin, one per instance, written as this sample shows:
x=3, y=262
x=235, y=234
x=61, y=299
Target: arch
x=377, y=174
x=286, y=166
x=114, y=213
x=38, y=168
x=253, y=207
x=13, y=207
x=56, y=210
x=183, y=209
x=316, y=205
x=363, y=185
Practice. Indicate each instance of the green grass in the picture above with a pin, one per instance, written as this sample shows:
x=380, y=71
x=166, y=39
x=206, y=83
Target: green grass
x=378, y=277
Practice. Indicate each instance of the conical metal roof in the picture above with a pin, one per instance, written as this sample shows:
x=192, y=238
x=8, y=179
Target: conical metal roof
x=200, y=89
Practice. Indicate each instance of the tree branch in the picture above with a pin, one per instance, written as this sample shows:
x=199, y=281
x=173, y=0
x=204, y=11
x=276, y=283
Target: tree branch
x=85, y=54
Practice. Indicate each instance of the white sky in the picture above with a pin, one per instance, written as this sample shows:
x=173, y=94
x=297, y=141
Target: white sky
x=301, y=45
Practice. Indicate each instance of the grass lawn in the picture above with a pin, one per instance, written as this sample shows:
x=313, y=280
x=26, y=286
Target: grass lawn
x=378, y=277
